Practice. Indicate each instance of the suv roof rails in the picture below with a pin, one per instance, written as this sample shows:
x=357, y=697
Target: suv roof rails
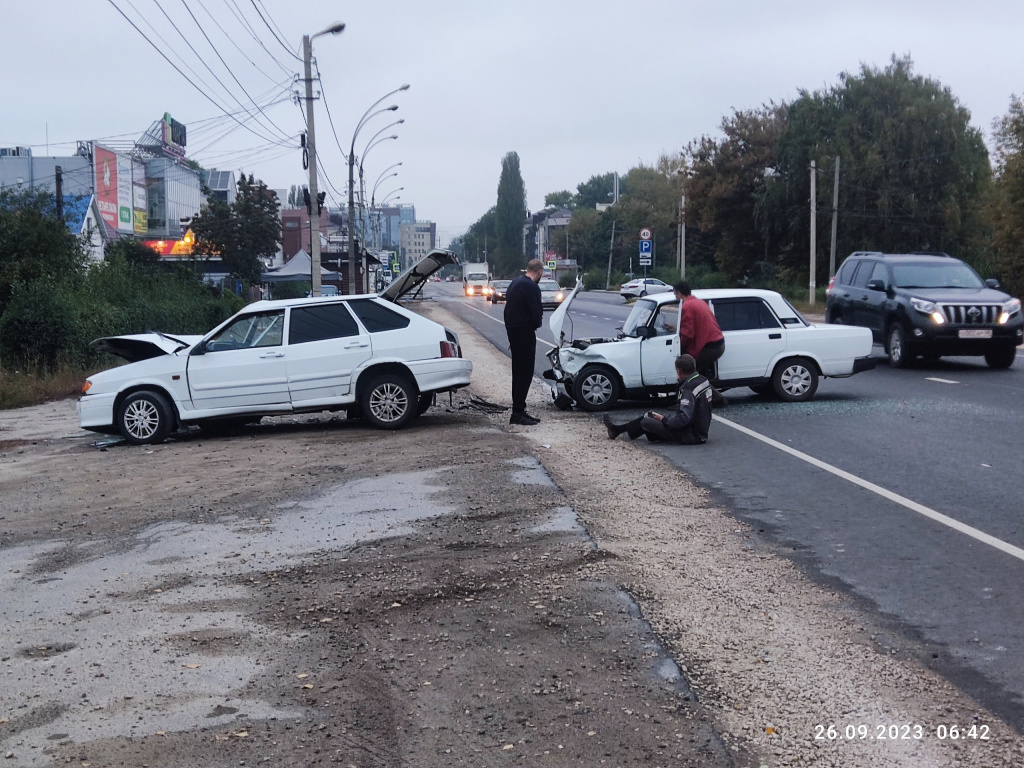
x=930, y=253
x=865, y=253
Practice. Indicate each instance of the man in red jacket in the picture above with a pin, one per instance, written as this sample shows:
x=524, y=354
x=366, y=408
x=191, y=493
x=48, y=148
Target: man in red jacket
x=700, y=335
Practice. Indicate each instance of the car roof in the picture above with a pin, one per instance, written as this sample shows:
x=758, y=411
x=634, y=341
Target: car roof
x=909, y=258
x=268, y=304
x=717, y=293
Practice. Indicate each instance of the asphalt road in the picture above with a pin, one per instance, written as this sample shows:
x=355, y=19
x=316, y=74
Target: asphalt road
x=901, y=488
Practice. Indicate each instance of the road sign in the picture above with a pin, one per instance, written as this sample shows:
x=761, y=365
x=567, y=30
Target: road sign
x=646, y=248
x=645, y=234
x=552, y=264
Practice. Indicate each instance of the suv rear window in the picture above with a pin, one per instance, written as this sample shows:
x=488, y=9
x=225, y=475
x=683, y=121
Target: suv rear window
x=845, y=274
x=377, y=317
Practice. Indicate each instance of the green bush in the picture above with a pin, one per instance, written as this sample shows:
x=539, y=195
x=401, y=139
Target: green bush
x=41, y=326
x=594, y=279
x=567, y=279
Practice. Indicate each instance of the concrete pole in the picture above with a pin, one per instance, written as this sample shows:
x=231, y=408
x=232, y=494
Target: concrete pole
x=814, y=232
x=682, y=237
x=314, y=215
x=835, y=220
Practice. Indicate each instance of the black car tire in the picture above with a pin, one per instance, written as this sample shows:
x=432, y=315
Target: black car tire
x=1001, y=358
x=642, y=294
x=426, y=400
x=795, y=380
x=896, y=347
x=596, y=388
x=832, y=317
x=144, y=418
x=389, y=401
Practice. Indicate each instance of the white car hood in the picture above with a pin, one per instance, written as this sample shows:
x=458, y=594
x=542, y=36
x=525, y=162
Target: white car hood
x=557, y=318
x=143, y=346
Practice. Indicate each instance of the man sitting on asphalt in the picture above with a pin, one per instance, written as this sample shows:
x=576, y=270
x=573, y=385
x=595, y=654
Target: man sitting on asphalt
x=688, y=424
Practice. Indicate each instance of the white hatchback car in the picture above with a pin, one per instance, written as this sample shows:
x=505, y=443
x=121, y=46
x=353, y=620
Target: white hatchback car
x=366, y=354
x=642, y=286
x=769, y=347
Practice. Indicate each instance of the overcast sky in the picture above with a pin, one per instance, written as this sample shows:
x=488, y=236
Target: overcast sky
x=577, y=88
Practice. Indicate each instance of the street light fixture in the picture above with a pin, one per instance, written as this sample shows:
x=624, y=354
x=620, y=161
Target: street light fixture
x=314, y=195
x=351, y=180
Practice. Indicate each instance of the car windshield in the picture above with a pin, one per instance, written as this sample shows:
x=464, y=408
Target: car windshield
x=548, y=285
x=500, y=283
x=639, y=317
x=940, y=275
x=476, y=276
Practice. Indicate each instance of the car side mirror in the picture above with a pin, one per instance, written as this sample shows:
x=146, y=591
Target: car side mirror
x=992, y=283
x=876, y=285
x=645, y=332
x=199, y=349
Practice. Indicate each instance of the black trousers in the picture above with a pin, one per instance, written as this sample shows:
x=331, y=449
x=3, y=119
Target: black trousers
x=522, y=344
x=707, y=356
x=657, y=432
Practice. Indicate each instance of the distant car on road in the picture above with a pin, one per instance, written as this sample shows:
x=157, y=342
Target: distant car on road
x=551, y=293
x=642, y=286
x=498, y=288
x=925, y=304
x=366, y=354
x=769, y=347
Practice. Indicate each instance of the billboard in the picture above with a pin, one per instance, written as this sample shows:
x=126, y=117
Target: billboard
x=139, y=197
x=115, y=193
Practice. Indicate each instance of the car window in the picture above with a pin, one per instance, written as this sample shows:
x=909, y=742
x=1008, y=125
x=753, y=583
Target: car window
x=744, y=315
x=845, y=274
x=937, y=275
x=860, y=279
x=548, y=285
x=325, y=321
x=880, y=272
x=257, y=330
x=665, y=322
x=377, y=317
x=640, y=316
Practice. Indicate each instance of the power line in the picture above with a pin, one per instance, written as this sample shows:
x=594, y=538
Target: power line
x=237, y=12
x=276, y=37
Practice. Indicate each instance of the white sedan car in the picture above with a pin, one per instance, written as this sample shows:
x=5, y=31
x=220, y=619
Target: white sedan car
x=769, y=347
x=366, y=354
x=642, y=286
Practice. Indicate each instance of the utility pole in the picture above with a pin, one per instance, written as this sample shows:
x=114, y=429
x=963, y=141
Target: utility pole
x=314, y=219
x=611, y=246
x=814, y=233
x=682, y=237
x=835, y=219
x=58, y=183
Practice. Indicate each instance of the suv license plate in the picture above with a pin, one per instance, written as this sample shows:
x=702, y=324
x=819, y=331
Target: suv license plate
x=980, y=333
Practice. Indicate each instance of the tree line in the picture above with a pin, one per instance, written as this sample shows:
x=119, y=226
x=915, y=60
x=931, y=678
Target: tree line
x=913, y=175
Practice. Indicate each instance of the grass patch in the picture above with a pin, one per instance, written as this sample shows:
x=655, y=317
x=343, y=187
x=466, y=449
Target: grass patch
x=33, y=386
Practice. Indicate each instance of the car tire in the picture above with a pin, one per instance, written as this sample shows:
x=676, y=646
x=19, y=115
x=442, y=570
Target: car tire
x=896, y=347
x=642, y=294
x=145, y=418
x=795, y=380
x=833, y=318
x=389, y=401
x=596, y=388
x=1001, y=358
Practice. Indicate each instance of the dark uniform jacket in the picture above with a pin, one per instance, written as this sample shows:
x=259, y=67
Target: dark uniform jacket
x=692, y=417
x=523, y=307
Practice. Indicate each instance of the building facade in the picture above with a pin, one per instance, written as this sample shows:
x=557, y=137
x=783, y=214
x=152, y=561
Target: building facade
x=416, y=241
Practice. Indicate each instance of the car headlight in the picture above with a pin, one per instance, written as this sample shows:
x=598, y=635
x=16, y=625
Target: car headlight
x=1010, y=308
x=559, y=297
x=929, y=308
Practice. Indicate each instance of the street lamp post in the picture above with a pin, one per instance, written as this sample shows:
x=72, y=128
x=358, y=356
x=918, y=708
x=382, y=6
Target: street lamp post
x=351, y=180
x=314, y=218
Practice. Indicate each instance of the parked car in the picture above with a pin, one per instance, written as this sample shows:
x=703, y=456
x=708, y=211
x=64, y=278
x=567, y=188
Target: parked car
x=366, y=354
x=925, y=304
x=498, y=288
x=769, y=347
x=643, y=286
x=551, y=293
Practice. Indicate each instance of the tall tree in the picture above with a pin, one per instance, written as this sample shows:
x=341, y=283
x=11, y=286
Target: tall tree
x=34, y=243
x=1006, y=208
x=561, y=199
x=244, y=234
x=510, y=216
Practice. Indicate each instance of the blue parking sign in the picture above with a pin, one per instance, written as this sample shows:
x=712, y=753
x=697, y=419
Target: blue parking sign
x=645, y=247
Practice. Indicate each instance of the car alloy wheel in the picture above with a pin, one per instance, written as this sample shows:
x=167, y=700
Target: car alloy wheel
x=795, y=380
x=144, y=417
x=596, y=389
x=389, y=401
x=897, y=348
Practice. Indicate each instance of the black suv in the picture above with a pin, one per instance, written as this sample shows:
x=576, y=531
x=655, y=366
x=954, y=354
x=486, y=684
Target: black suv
x=926, y=304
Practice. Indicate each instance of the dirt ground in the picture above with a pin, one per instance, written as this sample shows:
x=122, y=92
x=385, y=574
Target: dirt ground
x=310, y=591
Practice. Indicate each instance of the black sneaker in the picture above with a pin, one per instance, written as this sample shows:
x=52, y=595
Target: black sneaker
x=613, y=431
x=523, y=419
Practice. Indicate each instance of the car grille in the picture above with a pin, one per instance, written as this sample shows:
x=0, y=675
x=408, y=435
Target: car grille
x=971, y=314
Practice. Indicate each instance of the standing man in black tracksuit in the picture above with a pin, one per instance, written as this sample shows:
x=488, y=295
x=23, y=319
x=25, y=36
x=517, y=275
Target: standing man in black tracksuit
x=688, y=424
x=523, y=316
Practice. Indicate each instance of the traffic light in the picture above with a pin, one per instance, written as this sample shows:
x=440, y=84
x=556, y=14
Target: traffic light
x=305, y=197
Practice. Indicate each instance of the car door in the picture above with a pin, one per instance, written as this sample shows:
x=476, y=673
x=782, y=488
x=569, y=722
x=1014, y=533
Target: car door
x=325, y=347
x=754, y=337
x=860, y=295
x=658, y=351
x=241, y=366
x=871, y=304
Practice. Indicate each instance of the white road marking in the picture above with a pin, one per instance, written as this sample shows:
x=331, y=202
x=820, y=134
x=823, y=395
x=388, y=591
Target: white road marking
x=938, y=517
x=941, y=381
x=491, y=317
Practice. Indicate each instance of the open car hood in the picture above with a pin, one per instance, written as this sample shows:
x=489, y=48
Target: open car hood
x=557, y=319
x=418, y=274
x=143, y=346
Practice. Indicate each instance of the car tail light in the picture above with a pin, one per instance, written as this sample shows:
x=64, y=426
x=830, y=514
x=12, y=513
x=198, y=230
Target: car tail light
x=86, y=386
x=831, y=282
x=450, y=349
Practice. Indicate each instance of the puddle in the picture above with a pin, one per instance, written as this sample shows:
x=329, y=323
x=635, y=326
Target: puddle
x=562, y=520
x=119, y=668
